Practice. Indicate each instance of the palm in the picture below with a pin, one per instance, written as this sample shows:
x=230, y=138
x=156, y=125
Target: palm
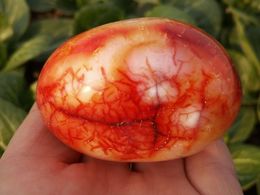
x=42, y=165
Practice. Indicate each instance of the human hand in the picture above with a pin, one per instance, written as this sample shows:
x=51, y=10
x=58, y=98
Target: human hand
x=35, y=162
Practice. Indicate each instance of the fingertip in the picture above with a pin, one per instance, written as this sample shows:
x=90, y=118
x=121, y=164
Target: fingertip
x=214, y=153
x=213, y=168
x=34, y=139
x=174, y=167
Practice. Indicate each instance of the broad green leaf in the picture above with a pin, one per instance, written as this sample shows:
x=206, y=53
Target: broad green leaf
x=245, y=5
x=55, y=28
x=1, y=151
x=141, y=2
x=253, y=33
x=13, y=89
x=128, y=6
x=41, y=5
x=247, y=163
x=243, y=126
x=94, y=15
x=249, y=76
x=245, y=44
x=249, y=98
x=84, y=2
x=3, y=54
x=206, y=13
x=258, y=186
x=169, y=11
x=258, y=108
x=17, y=14
x=6, y=30
x=27, y=51
x=42, y=37
x=66, y=7
x=81, y=3
x=255, y=5
x=33, y=88
x=45, y=27
x=11, y=85
x=11, y=117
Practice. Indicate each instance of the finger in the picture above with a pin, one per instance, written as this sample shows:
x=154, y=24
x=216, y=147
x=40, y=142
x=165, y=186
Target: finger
x=174, y=167
x=104, y=164
x=163, y=170
x=212, y=172
x=168, y=174
x=108, y=165
x=107, y=169
x=33, y=139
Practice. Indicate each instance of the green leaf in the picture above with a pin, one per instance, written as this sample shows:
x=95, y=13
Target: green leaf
x=253, y=33
x=94, y=15
x=258, y=108
x=1, y=151
x=142, y=2
x=258, y=186
x=41, y=5
x=17, y=14
x=6, y=30
x=3, y=54
x=247, y=163
x=243, y=126
x=63, y=31
x=64, y=6
x=206, y=13
x=27, y=51
x=42, y=37
x=67, y=7
x=248, y=6
x=11, y=117
x=170, y=12
x=245, y=44
x=250, y=98
x=63, y=28
x=81, y=3
x=11, y=84
x=13, y=88
x=33, y=88
x=128, y=6
x=249, y=76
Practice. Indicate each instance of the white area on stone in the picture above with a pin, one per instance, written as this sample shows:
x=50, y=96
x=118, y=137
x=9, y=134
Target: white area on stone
x=183, y=53
x=151, y=62
x=85, y=94
x=68, y=84
x=148, y=59
x=189, y=116
x=106, y=57
x=159, y=93
x=152, y=65
x=186, y=60
x=90, y=73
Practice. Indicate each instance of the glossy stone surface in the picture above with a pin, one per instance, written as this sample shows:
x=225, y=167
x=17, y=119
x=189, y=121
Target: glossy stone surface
x=139, y=90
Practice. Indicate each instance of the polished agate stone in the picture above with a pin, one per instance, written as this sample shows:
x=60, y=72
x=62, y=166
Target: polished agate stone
x=143, y=89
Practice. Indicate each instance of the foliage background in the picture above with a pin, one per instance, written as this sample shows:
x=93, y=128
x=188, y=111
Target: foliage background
x=31, y=29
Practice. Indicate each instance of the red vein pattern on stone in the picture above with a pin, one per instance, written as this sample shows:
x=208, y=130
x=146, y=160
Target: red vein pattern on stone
x=139, y=90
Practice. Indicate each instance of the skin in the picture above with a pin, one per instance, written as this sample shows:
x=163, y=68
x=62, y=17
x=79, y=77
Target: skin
x=35, y=162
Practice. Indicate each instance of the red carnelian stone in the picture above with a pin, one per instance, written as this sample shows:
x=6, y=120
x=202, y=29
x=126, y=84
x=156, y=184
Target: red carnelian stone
x=139, y=90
